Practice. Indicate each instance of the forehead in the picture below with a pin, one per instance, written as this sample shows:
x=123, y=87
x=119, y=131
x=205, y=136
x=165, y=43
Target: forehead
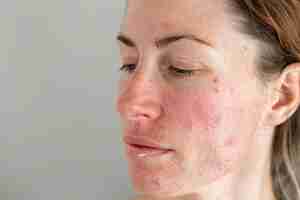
x=154, y=18
x=175, y=5
x=211, y=20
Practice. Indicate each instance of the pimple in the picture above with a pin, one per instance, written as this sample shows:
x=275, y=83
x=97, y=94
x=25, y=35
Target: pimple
x=166, y=25
x=230, y=142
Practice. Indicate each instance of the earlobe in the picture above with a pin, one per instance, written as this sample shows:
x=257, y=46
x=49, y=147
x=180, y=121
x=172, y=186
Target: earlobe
x=286, y=94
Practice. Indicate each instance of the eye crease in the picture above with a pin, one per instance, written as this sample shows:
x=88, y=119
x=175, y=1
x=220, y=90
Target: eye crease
x=181, y=72
x=177, y=72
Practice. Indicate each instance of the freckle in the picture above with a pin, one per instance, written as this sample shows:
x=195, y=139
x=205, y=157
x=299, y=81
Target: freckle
x=157, y=183
x=217, y=90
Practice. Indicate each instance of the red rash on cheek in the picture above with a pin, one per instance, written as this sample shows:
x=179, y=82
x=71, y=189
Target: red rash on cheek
x=177, y=111
x=205, y=111
x=192, y=108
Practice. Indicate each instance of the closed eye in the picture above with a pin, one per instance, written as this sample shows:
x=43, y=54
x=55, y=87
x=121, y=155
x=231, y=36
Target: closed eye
x=173, y=70
x=127, y=68
x=181, y=72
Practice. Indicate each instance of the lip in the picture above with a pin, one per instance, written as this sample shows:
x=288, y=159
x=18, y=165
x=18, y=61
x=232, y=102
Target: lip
x=142, y=147
x=145, y=142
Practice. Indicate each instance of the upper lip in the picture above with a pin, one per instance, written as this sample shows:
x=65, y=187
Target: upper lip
x=144, y=141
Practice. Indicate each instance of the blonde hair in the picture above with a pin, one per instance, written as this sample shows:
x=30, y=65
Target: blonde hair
x=276, y=24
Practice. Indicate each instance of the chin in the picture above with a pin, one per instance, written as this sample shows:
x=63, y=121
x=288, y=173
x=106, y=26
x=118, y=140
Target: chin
x=158, y=184
x=160, y=176
x=157, y=190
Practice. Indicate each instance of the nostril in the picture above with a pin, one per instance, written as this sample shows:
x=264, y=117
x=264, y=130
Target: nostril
x=139, y=108
x=135, y=114
x=138, y=116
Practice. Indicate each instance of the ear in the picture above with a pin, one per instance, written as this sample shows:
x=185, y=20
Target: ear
x=285, y=96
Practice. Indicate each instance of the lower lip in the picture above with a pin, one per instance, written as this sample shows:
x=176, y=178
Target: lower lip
x=144, y=152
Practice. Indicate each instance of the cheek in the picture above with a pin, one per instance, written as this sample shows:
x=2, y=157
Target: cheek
x=205, y=111
x=198, y=120
x=192, y=109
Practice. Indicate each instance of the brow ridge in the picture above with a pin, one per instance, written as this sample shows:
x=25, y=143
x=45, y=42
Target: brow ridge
x=163, y=42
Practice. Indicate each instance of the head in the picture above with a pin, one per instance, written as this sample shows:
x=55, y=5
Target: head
x=215, y=81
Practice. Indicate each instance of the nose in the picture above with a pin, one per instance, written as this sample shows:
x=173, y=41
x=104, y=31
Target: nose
x=139, y=99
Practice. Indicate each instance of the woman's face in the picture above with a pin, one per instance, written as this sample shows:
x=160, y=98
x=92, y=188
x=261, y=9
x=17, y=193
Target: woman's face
x=210, y=117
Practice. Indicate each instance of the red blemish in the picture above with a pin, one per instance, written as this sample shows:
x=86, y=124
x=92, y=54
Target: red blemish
x=166, y=24
x=230, y=142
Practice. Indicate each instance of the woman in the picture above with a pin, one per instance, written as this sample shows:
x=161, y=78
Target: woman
x=209, y=97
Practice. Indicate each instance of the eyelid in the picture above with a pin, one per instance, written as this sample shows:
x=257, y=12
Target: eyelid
x=189, y=65
x=187, y=60
x=181, y=70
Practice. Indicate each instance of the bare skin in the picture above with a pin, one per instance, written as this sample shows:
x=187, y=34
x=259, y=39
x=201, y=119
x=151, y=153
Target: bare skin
x=219, y=121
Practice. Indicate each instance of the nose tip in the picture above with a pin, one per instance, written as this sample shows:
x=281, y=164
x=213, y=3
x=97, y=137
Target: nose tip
x=143, y=112
x=140, y=109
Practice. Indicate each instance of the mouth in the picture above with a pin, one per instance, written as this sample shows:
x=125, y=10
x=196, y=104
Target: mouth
x=142, y=147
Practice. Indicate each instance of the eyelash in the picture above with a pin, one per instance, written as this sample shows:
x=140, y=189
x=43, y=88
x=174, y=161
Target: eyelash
x=176, y=71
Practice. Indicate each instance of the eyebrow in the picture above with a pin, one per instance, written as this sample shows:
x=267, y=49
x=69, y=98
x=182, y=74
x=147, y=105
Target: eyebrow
x=163, y=42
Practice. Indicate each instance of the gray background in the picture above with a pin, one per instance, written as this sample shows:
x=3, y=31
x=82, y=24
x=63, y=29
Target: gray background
x=60, y=137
